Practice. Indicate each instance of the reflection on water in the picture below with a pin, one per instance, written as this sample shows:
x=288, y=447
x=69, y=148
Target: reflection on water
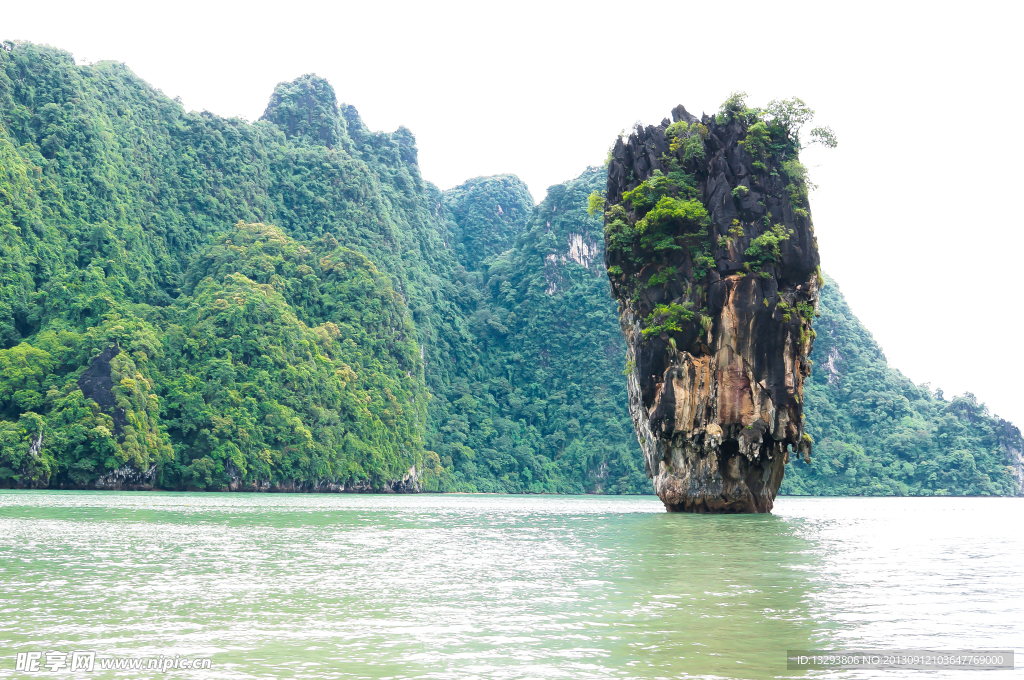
x=342, y=586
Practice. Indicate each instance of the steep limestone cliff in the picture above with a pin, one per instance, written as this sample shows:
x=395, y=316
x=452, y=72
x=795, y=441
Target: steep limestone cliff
x=712, y=257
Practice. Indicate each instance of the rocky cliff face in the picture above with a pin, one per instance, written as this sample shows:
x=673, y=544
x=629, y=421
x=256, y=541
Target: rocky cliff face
x=712, y=258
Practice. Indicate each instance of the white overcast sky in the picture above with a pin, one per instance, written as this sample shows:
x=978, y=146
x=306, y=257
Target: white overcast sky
x=918, y=214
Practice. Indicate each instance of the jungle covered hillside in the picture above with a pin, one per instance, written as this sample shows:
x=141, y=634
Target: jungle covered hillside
x=189, y=301
x=877, y=433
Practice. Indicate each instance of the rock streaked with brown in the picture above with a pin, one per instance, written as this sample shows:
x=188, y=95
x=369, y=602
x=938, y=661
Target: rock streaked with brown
x=718, y=411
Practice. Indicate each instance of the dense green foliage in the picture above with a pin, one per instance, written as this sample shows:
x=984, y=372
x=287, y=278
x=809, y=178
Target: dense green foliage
x=263, y=354
x=548, y=412
x=876, y=433
x=248, y=382
x=379, y=324
x=202, y=302
x=488, y=214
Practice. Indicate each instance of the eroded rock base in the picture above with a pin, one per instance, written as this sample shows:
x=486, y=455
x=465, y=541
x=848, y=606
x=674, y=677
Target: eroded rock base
x=721, y=482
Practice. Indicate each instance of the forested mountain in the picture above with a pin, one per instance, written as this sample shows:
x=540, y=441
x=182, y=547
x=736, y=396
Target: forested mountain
x=546, y=413
x=487, y=214
x=156, y=331
x=877, y=433
x=188, y=301
x=196, y=302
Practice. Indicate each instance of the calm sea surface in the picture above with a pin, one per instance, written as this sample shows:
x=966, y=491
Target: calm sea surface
x=466, y=586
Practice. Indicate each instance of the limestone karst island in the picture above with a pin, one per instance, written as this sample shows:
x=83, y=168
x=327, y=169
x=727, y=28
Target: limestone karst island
x=712, y=257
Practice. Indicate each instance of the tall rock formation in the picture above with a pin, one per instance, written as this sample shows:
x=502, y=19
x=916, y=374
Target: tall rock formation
x=712, y=257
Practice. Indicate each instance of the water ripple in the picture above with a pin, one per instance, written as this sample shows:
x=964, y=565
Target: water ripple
x=467, y=586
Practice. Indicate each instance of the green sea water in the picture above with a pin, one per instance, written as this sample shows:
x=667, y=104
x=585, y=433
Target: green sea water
x=482, y=586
